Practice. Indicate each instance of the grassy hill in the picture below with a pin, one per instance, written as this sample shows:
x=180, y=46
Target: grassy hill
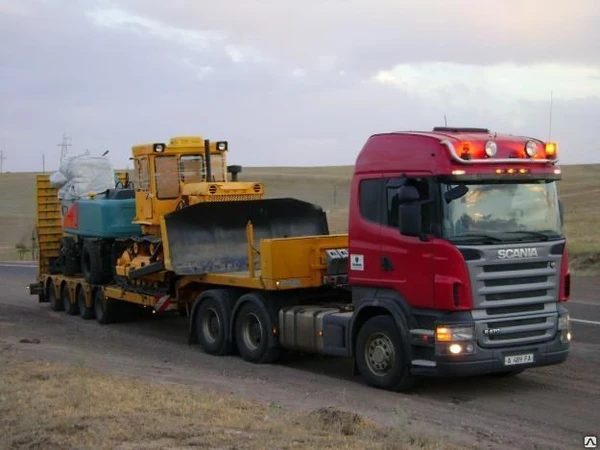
x=330, y=188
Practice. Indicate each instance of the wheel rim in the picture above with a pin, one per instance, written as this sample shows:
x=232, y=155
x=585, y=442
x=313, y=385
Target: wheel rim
x=252, y=331
x=380, y=354
x=211, y=326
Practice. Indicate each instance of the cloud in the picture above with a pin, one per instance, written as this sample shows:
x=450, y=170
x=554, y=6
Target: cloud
x=504, y=81
x=295, y=82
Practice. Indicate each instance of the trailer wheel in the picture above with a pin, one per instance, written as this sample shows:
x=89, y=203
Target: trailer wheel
x=70, y=308
x=382, y=356
x=212, y=318
x=103, y=308
x=85, y=312
x=252, y=328
x=93, y=263
x=71, y=256
x=56, y=304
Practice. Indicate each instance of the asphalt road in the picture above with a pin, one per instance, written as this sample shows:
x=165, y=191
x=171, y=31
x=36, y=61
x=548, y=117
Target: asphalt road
x=550, y=407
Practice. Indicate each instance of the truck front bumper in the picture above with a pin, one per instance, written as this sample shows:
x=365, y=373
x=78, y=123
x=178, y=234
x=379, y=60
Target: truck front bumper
x=488, y=360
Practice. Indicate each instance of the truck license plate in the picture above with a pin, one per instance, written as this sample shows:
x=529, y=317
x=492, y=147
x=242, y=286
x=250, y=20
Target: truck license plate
x=518, y=359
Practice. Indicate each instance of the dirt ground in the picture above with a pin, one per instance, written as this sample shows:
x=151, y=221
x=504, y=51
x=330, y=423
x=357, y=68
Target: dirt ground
x=544, y=408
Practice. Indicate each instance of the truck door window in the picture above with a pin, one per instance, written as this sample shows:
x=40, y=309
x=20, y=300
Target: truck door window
x=422, y=186
x=167, y=177
x=143, y=174
x=370, y=199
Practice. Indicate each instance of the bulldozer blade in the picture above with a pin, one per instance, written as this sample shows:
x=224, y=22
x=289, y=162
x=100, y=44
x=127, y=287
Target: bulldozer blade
x=211, y=237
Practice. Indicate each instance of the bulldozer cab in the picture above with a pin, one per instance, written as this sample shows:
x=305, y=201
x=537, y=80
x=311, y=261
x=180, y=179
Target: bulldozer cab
x=187, y=171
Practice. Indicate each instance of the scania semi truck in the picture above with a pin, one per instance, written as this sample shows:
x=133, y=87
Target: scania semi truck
x=455, y=261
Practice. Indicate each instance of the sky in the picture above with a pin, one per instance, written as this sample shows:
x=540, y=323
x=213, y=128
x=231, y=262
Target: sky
x=292, y=82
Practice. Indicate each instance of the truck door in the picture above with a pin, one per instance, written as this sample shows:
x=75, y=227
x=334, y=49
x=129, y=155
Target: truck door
x=143, y=198
x=406, y=262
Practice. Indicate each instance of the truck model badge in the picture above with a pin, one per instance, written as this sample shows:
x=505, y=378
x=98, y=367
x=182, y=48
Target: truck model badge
x=517, y=253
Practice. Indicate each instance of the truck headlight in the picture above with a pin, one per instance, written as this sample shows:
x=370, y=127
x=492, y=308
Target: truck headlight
x=454, y=333
x=564, y=328
x=455, y=340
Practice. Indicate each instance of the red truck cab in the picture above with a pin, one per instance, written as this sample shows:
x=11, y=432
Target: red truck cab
x=456, y=236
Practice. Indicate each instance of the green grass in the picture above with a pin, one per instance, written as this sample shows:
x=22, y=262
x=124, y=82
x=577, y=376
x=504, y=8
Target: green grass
x=330, y=188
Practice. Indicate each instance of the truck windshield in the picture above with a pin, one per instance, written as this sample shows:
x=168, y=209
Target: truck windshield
x=499, y=212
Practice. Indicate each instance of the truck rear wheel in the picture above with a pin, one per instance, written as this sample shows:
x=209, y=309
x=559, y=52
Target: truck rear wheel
x=103, y=308
x=212, y=318
x=69, y=307
x=85, y=312
x=382, y=356
x=56, y=303
x=252, y=328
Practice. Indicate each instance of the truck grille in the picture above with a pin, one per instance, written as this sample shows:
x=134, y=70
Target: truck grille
x=527, y=330
x=515, y=301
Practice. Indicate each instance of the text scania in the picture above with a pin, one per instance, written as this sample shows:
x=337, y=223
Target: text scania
x=515, y=253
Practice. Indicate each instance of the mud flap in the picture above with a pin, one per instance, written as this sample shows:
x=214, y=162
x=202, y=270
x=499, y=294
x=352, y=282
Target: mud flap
x=211, y=237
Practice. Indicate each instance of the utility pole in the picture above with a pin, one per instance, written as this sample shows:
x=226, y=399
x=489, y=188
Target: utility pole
x=43, y=163
x=550, y=124
x=64, y=147
x=2, y=158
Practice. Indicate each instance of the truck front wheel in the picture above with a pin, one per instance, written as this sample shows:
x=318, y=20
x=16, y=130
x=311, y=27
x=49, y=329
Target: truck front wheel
x=382, y=356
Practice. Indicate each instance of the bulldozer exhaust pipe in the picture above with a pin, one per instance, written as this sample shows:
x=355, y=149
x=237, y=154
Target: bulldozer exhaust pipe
x=207, y=158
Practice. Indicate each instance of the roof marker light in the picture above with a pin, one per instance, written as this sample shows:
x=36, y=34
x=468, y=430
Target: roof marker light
x=491, y=148
x=551, y=150
x=466, y=150
x=511, y=171
x=458, y=172
x=499, y=171
x=531, y=149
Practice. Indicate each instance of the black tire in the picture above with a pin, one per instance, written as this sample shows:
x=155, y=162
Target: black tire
x=56, y=303
x=382, y=355
x=252, y=328
x=69, y=307
x=94, y=263
x=86, y=312
x=103, y=308
x=212, y=318
x=70, y=256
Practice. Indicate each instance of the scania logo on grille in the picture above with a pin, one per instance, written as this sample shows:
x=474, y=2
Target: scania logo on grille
x=517, y=253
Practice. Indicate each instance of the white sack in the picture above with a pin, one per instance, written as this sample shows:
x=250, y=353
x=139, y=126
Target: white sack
x=85, y=175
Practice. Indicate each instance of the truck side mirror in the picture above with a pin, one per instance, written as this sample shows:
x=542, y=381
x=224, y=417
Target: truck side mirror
x=455, y=193
x=409, y=211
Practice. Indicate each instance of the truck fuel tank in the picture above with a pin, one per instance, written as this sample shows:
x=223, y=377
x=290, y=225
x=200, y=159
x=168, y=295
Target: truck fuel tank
x=314, y=329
